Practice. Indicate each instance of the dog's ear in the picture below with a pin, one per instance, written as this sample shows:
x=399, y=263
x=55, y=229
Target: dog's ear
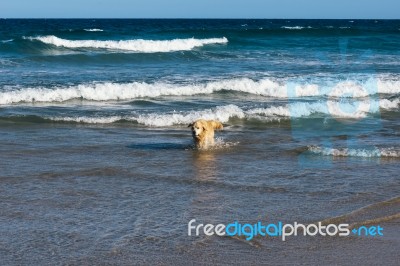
x=190, y=125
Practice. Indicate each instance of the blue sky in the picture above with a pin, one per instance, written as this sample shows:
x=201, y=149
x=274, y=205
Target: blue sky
x=383, y=9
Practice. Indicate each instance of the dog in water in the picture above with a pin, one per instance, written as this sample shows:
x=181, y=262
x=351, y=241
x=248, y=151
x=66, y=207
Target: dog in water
x=203, y=132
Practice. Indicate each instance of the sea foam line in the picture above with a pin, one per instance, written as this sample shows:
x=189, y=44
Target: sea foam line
x=138, y=45
x=348, y=152
x=221, y=113
x=224, y=114
x=127, y=91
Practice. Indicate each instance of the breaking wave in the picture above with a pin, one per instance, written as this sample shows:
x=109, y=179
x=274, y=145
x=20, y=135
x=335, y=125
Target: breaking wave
x=221, y=113
x=356, y=110
x=138, y=45
x=264, y=87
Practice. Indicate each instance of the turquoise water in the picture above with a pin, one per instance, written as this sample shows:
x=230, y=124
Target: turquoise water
x=97, y=163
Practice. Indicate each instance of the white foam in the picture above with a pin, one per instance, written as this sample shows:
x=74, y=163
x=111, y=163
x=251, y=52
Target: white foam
x=87, y=119
x=270, y=112
x=388, y=86
x=93, y=30
x=127, y=91
x=220, y=143
x=292, y=28
x=6, y=41
x=346, y=152
x=138, y=45
x=388, y=104
x=349, y=89
x=307, y=90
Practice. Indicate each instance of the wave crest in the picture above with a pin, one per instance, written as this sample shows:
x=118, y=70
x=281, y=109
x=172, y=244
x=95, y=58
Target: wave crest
x=138, y=45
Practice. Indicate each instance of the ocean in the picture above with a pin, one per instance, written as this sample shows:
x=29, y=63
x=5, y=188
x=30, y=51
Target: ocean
x=97, y=163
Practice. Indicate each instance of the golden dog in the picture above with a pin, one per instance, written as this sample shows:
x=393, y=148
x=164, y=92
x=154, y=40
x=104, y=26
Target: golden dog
x=203, y=132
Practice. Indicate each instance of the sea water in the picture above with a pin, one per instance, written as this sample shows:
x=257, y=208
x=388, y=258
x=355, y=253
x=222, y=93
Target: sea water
x=97, y=163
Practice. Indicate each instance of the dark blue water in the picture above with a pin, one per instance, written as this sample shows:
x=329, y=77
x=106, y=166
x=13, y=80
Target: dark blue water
x=97, y=163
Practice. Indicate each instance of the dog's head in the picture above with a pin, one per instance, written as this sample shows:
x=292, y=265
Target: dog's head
x=197, y=128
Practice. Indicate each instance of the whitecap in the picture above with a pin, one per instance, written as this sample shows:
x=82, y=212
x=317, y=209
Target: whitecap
x=93, y=30
x=292, y=28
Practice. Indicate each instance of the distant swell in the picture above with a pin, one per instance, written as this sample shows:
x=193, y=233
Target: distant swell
x=139, y=45
x=264, y=87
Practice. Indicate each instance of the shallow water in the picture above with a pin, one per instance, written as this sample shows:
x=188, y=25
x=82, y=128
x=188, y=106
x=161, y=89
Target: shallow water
x=77, y=194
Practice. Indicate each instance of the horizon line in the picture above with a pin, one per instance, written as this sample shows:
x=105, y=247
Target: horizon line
x=233, y=18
